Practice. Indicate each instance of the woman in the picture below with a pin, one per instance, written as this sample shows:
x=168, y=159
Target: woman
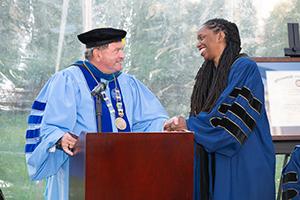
x=235, y=157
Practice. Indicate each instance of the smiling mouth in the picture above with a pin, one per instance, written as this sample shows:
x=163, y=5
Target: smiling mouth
x=202, y=51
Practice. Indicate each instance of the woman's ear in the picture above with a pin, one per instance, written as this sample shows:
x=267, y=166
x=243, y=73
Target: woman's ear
x=221, y=36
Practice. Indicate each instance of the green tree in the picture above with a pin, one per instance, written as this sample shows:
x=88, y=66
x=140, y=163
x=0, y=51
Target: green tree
x=14, y=28
x=246, y=21
x=275, y=31
x=42, y=50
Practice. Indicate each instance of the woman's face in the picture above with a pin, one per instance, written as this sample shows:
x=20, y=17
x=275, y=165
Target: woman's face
x=211, y=44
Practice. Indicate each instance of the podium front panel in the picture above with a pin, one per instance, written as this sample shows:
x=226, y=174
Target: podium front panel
x=139, y=166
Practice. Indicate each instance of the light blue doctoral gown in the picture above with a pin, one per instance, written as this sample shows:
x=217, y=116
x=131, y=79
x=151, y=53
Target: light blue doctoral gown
x=65, y=105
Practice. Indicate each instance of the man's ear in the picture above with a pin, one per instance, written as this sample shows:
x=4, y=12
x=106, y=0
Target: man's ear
x=97, y=54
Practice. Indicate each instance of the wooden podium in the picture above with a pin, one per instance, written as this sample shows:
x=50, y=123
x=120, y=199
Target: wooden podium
x=135, y=166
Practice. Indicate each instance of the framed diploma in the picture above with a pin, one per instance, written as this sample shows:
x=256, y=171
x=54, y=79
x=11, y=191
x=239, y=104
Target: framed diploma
x=281, y=78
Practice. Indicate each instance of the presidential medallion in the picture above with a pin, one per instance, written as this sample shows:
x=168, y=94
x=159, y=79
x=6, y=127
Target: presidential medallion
x=120, y=123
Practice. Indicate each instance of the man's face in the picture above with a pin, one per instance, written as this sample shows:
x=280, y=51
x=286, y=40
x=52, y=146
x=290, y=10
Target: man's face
x=111, y=58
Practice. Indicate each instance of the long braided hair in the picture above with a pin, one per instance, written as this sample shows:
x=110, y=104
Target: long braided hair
x=211, y=80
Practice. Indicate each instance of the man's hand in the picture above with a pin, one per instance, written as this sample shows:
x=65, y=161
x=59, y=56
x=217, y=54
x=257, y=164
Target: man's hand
x=68, y=142
x=177, y=123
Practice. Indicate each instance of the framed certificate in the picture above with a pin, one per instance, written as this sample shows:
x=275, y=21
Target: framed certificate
x=281, y=78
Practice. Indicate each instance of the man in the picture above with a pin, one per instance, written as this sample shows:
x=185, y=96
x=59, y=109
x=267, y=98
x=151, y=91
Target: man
x=235, y=157
x=72, y=100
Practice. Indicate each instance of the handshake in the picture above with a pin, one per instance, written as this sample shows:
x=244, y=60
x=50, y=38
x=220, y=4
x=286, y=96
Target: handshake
x=176, y=123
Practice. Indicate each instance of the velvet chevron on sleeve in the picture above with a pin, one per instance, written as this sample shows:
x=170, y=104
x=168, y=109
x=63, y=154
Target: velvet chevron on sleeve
x=291, y=177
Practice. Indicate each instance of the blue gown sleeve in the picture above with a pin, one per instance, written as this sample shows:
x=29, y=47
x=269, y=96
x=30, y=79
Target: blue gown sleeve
x=290, y=177
x=236, y=113
x=53, y=113
x=148, y=113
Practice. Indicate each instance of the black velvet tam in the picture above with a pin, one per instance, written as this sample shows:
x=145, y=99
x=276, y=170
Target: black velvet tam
x=101, y=36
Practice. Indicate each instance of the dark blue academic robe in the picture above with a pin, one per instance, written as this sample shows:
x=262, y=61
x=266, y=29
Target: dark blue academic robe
x=290, y=177
x=237, y=132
